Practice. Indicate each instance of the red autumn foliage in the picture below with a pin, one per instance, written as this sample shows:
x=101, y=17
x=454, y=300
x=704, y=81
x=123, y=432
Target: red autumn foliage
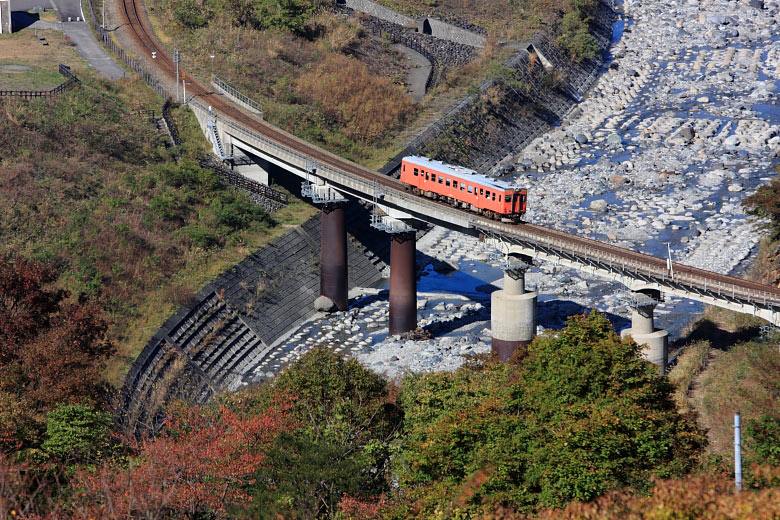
x=201, y=463
x=352, y=508
x=51, y=350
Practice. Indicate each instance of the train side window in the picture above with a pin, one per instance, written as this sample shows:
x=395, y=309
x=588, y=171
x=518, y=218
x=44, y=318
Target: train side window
x=426, y=176
x=487, y=194
x=481, y=191
x=447, y=182
x=441, y=179
x=455, y=184
x=403, y=167
x=416, y=172
x=493, y=197
x=507, y=198
x=462, y=186
x=470, y=189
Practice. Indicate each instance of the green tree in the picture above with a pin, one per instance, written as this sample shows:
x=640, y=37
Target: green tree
x=77, y=432
x=342, y=442
x=582, y=414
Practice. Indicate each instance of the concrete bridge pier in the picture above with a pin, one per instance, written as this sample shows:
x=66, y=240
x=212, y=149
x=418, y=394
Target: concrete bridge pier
x=259, y=171
x=403, y=282
x=333, y=259
x=643, y=331
x=513, y=311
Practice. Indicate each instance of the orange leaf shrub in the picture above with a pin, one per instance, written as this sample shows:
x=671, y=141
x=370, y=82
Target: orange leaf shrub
x=707, y=497
x=199, y=465
x=365, y=106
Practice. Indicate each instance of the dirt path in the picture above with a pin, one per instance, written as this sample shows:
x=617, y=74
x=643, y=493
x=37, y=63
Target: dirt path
x=418, y=74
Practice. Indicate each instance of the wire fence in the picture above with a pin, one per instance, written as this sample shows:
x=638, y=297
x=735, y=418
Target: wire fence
x=132, y=63
x=70, y=82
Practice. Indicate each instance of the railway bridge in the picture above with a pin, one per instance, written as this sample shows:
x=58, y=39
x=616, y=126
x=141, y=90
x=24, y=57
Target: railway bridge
x=234, y=128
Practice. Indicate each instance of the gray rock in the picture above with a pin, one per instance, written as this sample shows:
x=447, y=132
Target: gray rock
x=687, y=132
x=731, y=140
x=599, y=205
x=324, y=304
x=614, y=140
x=756, y=4
x=581, y=139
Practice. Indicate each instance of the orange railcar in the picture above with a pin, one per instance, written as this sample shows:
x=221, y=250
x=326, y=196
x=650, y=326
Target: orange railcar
x=464, y=188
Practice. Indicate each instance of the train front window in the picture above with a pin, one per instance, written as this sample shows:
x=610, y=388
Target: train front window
x=507, y=198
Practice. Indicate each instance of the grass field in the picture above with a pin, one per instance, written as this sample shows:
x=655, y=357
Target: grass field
x=23, y=49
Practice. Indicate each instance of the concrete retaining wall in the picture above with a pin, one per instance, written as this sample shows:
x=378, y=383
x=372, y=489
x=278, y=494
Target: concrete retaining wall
x=450, y=32
x=379, y=11
x=5, y=17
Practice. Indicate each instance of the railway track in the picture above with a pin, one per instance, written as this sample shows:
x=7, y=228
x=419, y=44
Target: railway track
x=141, y=31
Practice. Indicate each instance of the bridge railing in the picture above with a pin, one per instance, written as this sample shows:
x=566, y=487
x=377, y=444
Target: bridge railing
x=657, y=270
x=232, y=91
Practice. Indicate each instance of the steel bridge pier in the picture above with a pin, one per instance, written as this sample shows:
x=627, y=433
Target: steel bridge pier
x=403, y=283
x=333, y=258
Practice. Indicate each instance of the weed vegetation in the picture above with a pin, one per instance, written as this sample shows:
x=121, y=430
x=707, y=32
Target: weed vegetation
x=89, y=186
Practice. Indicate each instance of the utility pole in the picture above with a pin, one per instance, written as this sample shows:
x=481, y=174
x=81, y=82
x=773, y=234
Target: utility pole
x=184, y=89
x=212, y=66
x=737, y=453
x=176, y=61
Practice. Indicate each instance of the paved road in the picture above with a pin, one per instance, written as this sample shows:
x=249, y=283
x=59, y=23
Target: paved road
x=67, y=8
x=92, y=51
x=79, y=32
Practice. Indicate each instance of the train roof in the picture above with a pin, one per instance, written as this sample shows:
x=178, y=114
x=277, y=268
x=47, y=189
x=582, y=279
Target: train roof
x=459, y=171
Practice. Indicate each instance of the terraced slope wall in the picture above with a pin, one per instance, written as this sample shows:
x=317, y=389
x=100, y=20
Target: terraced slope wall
x=212, y=344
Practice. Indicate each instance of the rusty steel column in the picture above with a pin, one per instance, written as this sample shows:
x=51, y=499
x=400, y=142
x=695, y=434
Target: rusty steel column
x=333, y=255
x=403, y=283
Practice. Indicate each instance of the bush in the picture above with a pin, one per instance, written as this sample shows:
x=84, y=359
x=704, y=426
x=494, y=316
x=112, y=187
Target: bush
x=340, y=446
x=575, y=36
x=190, y=14
x=581, y=415
x=363, y=105
x=75, y=432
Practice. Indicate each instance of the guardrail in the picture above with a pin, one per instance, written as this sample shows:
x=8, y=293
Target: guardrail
x=70, y=82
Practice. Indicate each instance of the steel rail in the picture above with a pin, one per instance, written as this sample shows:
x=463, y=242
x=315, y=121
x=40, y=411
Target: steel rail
x=588, y=249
